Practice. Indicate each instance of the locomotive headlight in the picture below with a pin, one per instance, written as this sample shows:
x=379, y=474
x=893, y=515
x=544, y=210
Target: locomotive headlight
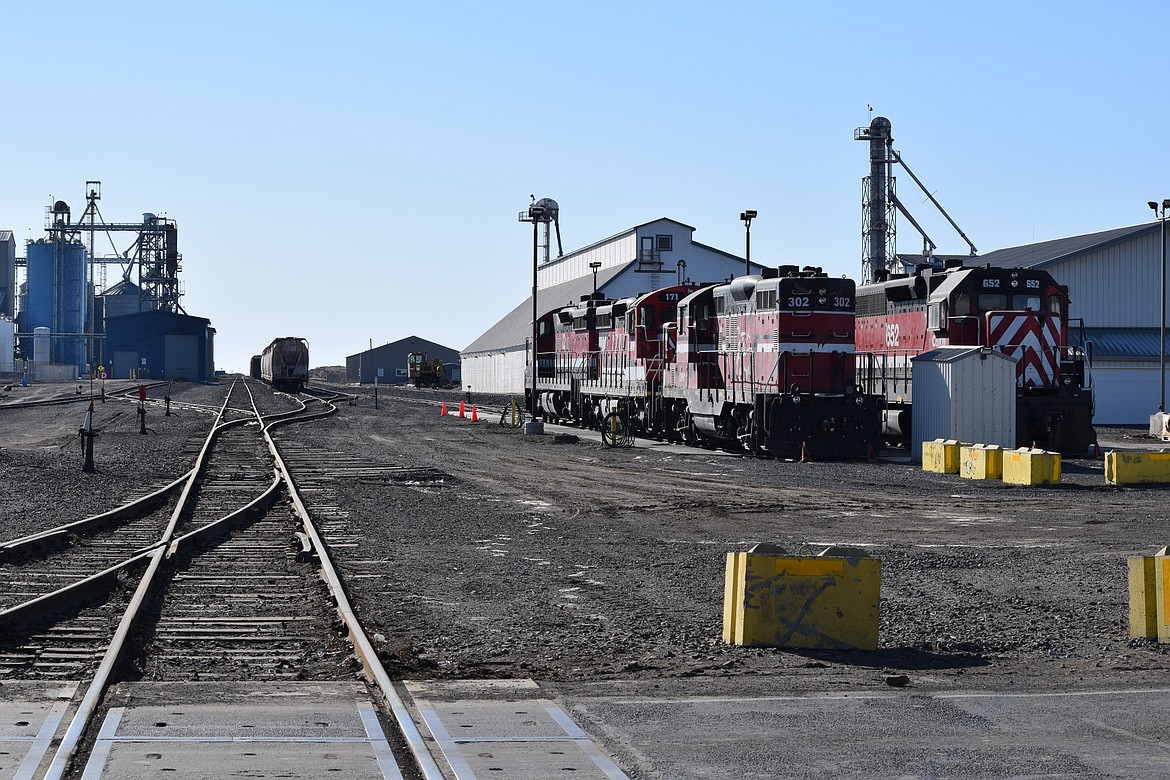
x=859, y=400
x=796, y=399
x=1015, y=282
x=822, y=300
x=1067, y=381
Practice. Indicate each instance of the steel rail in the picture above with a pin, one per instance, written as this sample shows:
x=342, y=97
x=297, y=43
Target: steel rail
x=107, y=577
x=100, y=681
x=72, y=399
x=363, y=648
x=97, y=686
x=102, y=580
x=90, y=523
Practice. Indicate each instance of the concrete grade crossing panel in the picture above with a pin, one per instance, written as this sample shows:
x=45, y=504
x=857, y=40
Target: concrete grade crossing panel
x=31, y=714
x=488, y=728
x=202, y=730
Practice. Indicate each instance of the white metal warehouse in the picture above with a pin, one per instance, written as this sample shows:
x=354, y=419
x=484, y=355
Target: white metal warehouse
x=1114, y=279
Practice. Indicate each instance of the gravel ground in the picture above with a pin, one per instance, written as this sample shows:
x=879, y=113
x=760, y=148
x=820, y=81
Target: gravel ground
x=574, y=564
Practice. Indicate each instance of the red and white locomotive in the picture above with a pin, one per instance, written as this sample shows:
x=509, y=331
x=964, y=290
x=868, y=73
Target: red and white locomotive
x=1021, y=312
x=766, y=363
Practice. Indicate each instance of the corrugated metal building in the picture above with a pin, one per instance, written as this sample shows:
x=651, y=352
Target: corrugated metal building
x=964, y=393
x=7, y=274
x=1113, y=278
x=644, y=258
x=391, y=359
x=160, y=345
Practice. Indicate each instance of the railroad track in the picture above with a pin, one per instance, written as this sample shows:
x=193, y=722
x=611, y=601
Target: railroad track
x=220, y=576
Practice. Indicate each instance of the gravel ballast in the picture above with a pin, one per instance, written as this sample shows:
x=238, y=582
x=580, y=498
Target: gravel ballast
x=570, y=563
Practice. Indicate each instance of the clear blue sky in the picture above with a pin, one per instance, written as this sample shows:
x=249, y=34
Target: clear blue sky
x=352, y=171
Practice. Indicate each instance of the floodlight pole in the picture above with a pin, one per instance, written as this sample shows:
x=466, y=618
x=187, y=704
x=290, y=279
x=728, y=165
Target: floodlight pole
x=535, y=315
x=1161, y=213
x=534, y=214
x=747, y=217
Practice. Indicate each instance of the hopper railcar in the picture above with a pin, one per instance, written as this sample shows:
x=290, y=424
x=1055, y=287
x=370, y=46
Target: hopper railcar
x=284, y=364
x=763, y=363
x=1021, y=312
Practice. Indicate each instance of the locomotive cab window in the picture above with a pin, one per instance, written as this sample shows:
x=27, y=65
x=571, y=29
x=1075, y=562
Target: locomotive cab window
x=702, y=314
x=1056, y=304
x=936, y=316
x=1026, y=302
x=963, y=305
x=993, y=301
x=648, y=320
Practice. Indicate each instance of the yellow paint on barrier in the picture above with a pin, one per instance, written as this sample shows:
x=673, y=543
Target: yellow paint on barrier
x=941, y=456
x=1143, y=597
x=1165, y=594
x=824, y=602
x=1136, y=467
x=1031, y=467
x=1162, y=588
x=734, y=576
x=810, y=567
x=981, y=461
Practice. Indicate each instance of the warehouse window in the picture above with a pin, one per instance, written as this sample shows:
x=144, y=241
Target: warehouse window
x=665, y=243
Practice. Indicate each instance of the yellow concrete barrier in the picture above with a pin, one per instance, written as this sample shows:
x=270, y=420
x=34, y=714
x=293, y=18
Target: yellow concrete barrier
x=941, y=456
x=1149, y=599
x=1132, y=467
x=1031, y=467
x=981, y=461
x=827, y=602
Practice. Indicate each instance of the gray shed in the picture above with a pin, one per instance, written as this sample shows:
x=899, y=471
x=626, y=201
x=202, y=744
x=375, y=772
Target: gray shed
x=963, y=393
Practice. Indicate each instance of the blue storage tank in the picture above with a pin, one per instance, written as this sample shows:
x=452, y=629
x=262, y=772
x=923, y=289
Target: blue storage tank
x=57, y=297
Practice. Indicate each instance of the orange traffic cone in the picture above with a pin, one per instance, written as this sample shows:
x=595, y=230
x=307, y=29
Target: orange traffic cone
x=443, y=411
x=804, y=457
x=461, y=414
x=871, y=455
x=474, y=416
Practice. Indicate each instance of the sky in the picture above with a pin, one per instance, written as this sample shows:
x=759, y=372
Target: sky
x=351, y=172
